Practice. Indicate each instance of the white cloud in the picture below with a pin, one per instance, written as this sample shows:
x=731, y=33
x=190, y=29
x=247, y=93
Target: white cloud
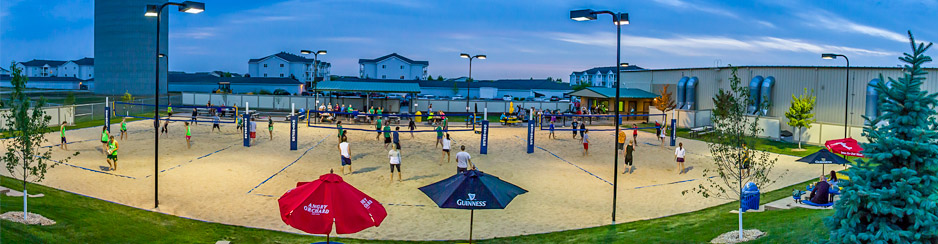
x=765, y=23
x=827, y=20
x=698, y=7
x=194, y=33
x=710, y=45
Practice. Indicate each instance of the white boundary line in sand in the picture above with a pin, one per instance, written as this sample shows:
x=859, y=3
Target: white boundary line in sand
x=288, y=165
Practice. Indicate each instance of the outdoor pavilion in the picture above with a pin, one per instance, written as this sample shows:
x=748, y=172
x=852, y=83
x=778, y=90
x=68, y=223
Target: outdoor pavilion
x=631, y=100
x=370, y=87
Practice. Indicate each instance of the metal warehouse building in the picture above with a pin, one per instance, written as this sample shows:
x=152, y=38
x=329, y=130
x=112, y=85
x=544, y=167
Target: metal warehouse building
x=828, y=83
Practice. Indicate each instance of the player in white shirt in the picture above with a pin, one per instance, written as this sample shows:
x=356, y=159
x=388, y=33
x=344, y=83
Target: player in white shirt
x=395, y=160
x=463, y=161
x=345, y=153
x=679, y=157
x=446, y=147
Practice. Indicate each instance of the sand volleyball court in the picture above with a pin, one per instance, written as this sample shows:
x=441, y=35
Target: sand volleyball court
x=219, y=180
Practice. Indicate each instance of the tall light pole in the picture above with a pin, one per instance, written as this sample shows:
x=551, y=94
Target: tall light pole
x=466, y=55
x=315, y=72
x=618, y=19
x=157, y=11
x=846, y=90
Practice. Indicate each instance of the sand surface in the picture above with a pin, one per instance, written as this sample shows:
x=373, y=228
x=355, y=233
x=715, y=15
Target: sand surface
x=219, y=180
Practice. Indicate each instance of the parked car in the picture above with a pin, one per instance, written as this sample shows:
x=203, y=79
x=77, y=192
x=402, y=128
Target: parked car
x=554, y=99
x=427, y=96
x=281, y=92
x=507, y=97
x=398, y=97
x=459, y=98
x=540, y=99
x=443, y=98
x=564, y=100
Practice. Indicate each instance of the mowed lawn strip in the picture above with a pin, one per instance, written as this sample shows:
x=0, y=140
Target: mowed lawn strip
x=83, y=219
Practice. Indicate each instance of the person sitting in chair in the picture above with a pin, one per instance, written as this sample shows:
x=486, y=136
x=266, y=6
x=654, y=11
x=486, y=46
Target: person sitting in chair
x=503, y=119
x=819, y=195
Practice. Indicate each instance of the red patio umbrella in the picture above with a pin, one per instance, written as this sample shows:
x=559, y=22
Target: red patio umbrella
x=315, y=206
x=846, y=147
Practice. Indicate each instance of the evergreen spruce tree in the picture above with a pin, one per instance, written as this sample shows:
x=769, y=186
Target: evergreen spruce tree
x=893, y=197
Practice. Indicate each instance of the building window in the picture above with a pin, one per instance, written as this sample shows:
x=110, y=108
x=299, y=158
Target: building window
x=383, y=66
x=265, y=65
x=281, y=65
x=384, y=77
x=265, y=74
x=281, y=75
x=402, y=67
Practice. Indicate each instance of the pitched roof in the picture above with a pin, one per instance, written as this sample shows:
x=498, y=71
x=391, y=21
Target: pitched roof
x=40, y=62
x=394, y=55
x=603, y=92
x=368, y=86
x=84, y=61
x=608, y=69
x=518, y=84
x=289, y=57
x=207, y=78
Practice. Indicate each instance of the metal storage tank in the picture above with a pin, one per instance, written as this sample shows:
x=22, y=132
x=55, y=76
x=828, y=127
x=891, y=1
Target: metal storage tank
x=765, y=97
x=754, y=93
x=124, y=41
x=690, y=93
x=680, y=92
x=872, y=100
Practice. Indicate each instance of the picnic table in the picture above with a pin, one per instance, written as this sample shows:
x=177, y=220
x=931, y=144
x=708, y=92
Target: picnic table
x=697, y=131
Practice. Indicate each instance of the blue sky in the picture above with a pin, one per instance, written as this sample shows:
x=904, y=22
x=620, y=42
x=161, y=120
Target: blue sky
x=521, y=38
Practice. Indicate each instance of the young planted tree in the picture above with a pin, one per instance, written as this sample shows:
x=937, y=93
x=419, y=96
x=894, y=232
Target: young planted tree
x=801, y=113
x=664, y=103
x=26, y=123
x=892, y=198
x=734, y=162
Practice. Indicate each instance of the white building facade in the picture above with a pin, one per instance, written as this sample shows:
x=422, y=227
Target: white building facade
x=82, y=69
x=393, y=66
x=599, y=76
x=288, y=65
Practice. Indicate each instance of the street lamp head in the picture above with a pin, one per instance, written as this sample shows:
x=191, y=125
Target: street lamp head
x=623, y=19
x=480, y=56
x=582, y=15
x=151, y=11
x=829, y=56
x=192, y=7
x=321, y=52
x=306, y=51
x=464, y=55
x=624, y=65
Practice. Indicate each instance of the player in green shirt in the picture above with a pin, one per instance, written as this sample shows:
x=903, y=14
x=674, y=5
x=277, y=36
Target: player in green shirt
x=169, y=110
x=64, y=144
x=111, y=151
x=188, y=135
x=124, y=128
x=378, y=128
x=439, y=136
x=104, y=139
x=387, y=136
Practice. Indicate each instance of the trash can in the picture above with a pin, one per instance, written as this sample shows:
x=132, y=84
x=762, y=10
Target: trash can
x=417, y=117
x=750, y=196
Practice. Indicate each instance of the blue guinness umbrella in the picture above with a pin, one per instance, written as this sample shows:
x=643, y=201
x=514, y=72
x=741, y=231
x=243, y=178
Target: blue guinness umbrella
x=472, y=190
x=823, y=157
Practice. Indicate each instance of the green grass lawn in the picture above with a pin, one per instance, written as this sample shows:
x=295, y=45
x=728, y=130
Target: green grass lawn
x=762, y=144
x=83, y=219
